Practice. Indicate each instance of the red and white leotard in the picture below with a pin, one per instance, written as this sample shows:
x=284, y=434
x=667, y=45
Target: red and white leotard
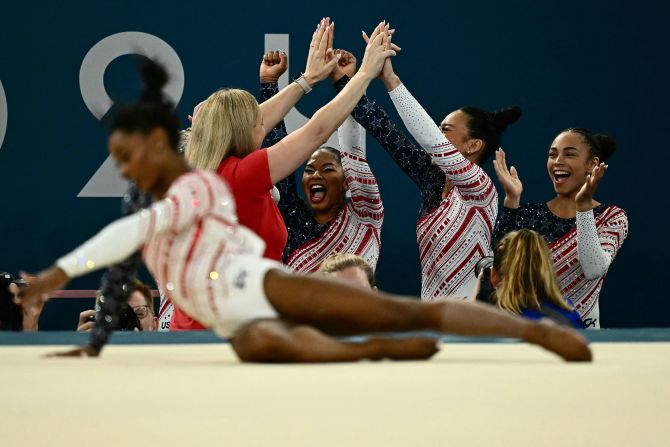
x=356, y=229
x=203, y=260
x=456, y=234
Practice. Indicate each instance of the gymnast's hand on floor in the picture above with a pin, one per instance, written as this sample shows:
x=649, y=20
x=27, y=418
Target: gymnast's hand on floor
x=273, y=65
x=83, y=351
x=40, y=287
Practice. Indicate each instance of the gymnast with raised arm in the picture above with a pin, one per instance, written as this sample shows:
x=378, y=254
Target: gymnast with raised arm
x=212, y=267
x=583, y=235
x=226, y=137
x=459, y=202
x=325, y=223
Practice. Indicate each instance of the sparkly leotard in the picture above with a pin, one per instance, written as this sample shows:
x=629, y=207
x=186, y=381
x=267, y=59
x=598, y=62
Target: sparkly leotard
x=581, y=248
x=356, y=229
x=206, y=263
x=453, y=232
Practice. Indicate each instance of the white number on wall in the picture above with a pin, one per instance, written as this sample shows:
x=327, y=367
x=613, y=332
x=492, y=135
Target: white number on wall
x=106, y=182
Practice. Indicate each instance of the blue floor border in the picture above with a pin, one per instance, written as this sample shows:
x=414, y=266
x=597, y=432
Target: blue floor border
x=645, y=335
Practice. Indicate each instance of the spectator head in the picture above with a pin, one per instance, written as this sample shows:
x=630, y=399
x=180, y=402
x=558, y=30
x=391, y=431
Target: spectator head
x=351, y=268
x=523, y=274
x=229, y=123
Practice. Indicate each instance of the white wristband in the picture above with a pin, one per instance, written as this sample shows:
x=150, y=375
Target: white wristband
x=304, y=85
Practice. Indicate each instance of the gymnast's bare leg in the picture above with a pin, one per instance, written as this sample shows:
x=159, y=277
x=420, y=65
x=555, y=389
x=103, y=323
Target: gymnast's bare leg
x=276, y=341
x=334, y=308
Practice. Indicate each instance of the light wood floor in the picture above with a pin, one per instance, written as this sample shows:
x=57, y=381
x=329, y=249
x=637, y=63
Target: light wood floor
x=469, y=394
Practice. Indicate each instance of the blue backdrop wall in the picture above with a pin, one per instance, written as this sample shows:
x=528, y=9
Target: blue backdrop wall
x=597, y=64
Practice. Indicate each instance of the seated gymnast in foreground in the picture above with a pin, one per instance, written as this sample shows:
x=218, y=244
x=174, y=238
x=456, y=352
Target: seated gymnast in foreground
x=211, y=267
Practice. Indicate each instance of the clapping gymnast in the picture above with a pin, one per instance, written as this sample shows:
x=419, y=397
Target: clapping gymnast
x=583, y=235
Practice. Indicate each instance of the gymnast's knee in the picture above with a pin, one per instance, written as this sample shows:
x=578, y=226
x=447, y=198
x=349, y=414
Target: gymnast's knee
x=262, y=341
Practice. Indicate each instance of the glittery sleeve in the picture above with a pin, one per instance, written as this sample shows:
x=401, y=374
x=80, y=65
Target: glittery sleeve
x=414, y=162
x=113, y=244
x=268, y=90
x=597, y=244
x=470, y=179
x=191, y=197
x=365, y=199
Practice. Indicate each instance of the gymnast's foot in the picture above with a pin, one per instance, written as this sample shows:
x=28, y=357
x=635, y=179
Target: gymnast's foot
x=415, y=348
x=567, y=343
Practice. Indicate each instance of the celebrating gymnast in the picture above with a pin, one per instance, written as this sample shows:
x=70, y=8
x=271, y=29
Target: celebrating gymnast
x=459, y=202
x=325, y=223
x=583, y=235
x=228, y=131
x=212, y=267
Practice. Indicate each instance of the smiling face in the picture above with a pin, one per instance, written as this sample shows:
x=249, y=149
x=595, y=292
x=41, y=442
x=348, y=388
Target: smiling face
x=323, y=182
x=569, y=162
x=455, y=129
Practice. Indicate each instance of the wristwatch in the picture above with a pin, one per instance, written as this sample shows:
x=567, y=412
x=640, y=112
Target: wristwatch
x=302, y=82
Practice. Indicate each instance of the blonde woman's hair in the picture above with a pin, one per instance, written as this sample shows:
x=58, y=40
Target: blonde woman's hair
x=341, y=261
x=527, y=273
x=223, y=127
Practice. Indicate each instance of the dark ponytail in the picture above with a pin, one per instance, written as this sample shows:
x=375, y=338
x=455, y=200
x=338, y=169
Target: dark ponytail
x=152, y=110
x=600, y=145
x=155, y=78
x=489, y=126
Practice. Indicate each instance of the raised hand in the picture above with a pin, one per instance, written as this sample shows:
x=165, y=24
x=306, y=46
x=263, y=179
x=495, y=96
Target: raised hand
x=39, y=288
x=509, y=179
x=387, y=75
x=376, y=52
x=321, y=60
x=345, y=66
x=584, y=197
x=377, y=30
x=273, y=65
